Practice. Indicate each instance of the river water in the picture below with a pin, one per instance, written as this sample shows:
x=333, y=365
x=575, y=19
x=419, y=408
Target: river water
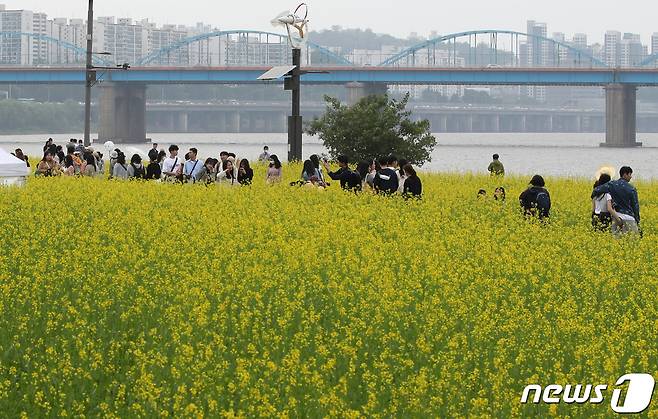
x=572, y=155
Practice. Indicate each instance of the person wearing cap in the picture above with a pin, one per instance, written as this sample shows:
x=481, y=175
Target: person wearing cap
x=114, y=155
x=172, y=166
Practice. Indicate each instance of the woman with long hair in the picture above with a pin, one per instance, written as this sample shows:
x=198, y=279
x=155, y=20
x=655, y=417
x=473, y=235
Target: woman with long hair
x=413, y=187
x=245, y=173
x=315, y=159
x=308, y=171
x=90, y=167
x=228, y=175
x=47, y=166
x=274, y=171
x=602, y=207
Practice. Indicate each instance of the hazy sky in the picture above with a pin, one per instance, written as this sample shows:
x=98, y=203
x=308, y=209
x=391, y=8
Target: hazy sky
x=399, y=18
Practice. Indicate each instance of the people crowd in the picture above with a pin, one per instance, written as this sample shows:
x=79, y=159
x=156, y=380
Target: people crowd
x=614, y=203
x=385, y=176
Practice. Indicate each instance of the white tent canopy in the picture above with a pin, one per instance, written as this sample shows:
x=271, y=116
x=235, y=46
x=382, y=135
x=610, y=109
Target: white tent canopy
x=13, y=170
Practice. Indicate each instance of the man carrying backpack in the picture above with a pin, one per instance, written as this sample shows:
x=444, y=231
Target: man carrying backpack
x=536, y=201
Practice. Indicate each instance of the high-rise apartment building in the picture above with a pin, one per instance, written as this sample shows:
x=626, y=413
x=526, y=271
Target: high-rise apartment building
x=611, y=48
x=16, y=49
x=631, y=51
x=654, y=43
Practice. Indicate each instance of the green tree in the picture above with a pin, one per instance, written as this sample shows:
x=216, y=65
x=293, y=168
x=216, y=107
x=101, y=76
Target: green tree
x=375, y=126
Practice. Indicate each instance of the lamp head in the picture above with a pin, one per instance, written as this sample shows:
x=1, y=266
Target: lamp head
x=296, y=24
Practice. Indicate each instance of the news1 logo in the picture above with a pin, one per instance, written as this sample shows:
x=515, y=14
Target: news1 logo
x=637, y=399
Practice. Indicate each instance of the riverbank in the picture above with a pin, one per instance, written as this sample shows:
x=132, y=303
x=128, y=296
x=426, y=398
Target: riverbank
x=567, y=155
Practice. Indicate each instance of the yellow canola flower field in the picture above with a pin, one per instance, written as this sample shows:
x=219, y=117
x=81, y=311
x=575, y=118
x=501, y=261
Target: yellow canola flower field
x=123, y=299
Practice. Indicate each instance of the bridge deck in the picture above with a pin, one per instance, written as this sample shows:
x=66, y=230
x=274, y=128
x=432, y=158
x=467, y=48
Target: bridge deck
x=342, y=75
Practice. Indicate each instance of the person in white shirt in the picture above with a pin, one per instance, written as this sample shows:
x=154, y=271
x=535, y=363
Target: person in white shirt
x=228, y=176
x=602, y=209
x=172, y=165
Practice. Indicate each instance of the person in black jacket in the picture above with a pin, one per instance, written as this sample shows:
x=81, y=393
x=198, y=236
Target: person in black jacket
x=154, y=170
x=386, y=181
x=349, y=179
x=413, y=187
x=536, y=201
x=245, y=173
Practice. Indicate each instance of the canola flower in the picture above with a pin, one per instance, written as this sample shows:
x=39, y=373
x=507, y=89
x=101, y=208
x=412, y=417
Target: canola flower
x=123, y=299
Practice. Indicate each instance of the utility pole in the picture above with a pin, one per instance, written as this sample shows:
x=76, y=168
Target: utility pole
x=90, y=73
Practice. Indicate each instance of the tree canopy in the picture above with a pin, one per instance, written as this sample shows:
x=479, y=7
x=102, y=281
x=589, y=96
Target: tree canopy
x=375, y=126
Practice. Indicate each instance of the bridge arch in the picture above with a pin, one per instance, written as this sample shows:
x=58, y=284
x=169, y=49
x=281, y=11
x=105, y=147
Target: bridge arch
x=493, y=33
x=158, y=55
x=63, y=44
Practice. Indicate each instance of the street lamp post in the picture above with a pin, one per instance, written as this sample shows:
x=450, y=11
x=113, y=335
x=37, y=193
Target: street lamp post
x=293, y=83
x=297, y=27
x=90, y=74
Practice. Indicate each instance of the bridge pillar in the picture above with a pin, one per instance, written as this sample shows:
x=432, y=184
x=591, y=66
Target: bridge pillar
x=123, y=113
x=233, y=121
x=183, y=122
x=620, y=116
x=269, y=122
x=496, y=123
x=281, y=123
x=357, y=91
x=443, y=123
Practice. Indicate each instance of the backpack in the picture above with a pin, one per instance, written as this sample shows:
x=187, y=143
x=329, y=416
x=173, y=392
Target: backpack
x=543, y=202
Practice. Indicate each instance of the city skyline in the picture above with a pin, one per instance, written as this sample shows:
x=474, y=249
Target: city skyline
x=390, y=19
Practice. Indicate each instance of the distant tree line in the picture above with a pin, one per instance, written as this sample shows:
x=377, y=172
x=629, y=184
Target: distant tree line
x=25, y=117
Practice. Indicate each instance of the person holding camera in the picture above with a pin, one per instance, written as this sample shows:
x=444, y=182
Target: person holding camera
x=349, y=179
